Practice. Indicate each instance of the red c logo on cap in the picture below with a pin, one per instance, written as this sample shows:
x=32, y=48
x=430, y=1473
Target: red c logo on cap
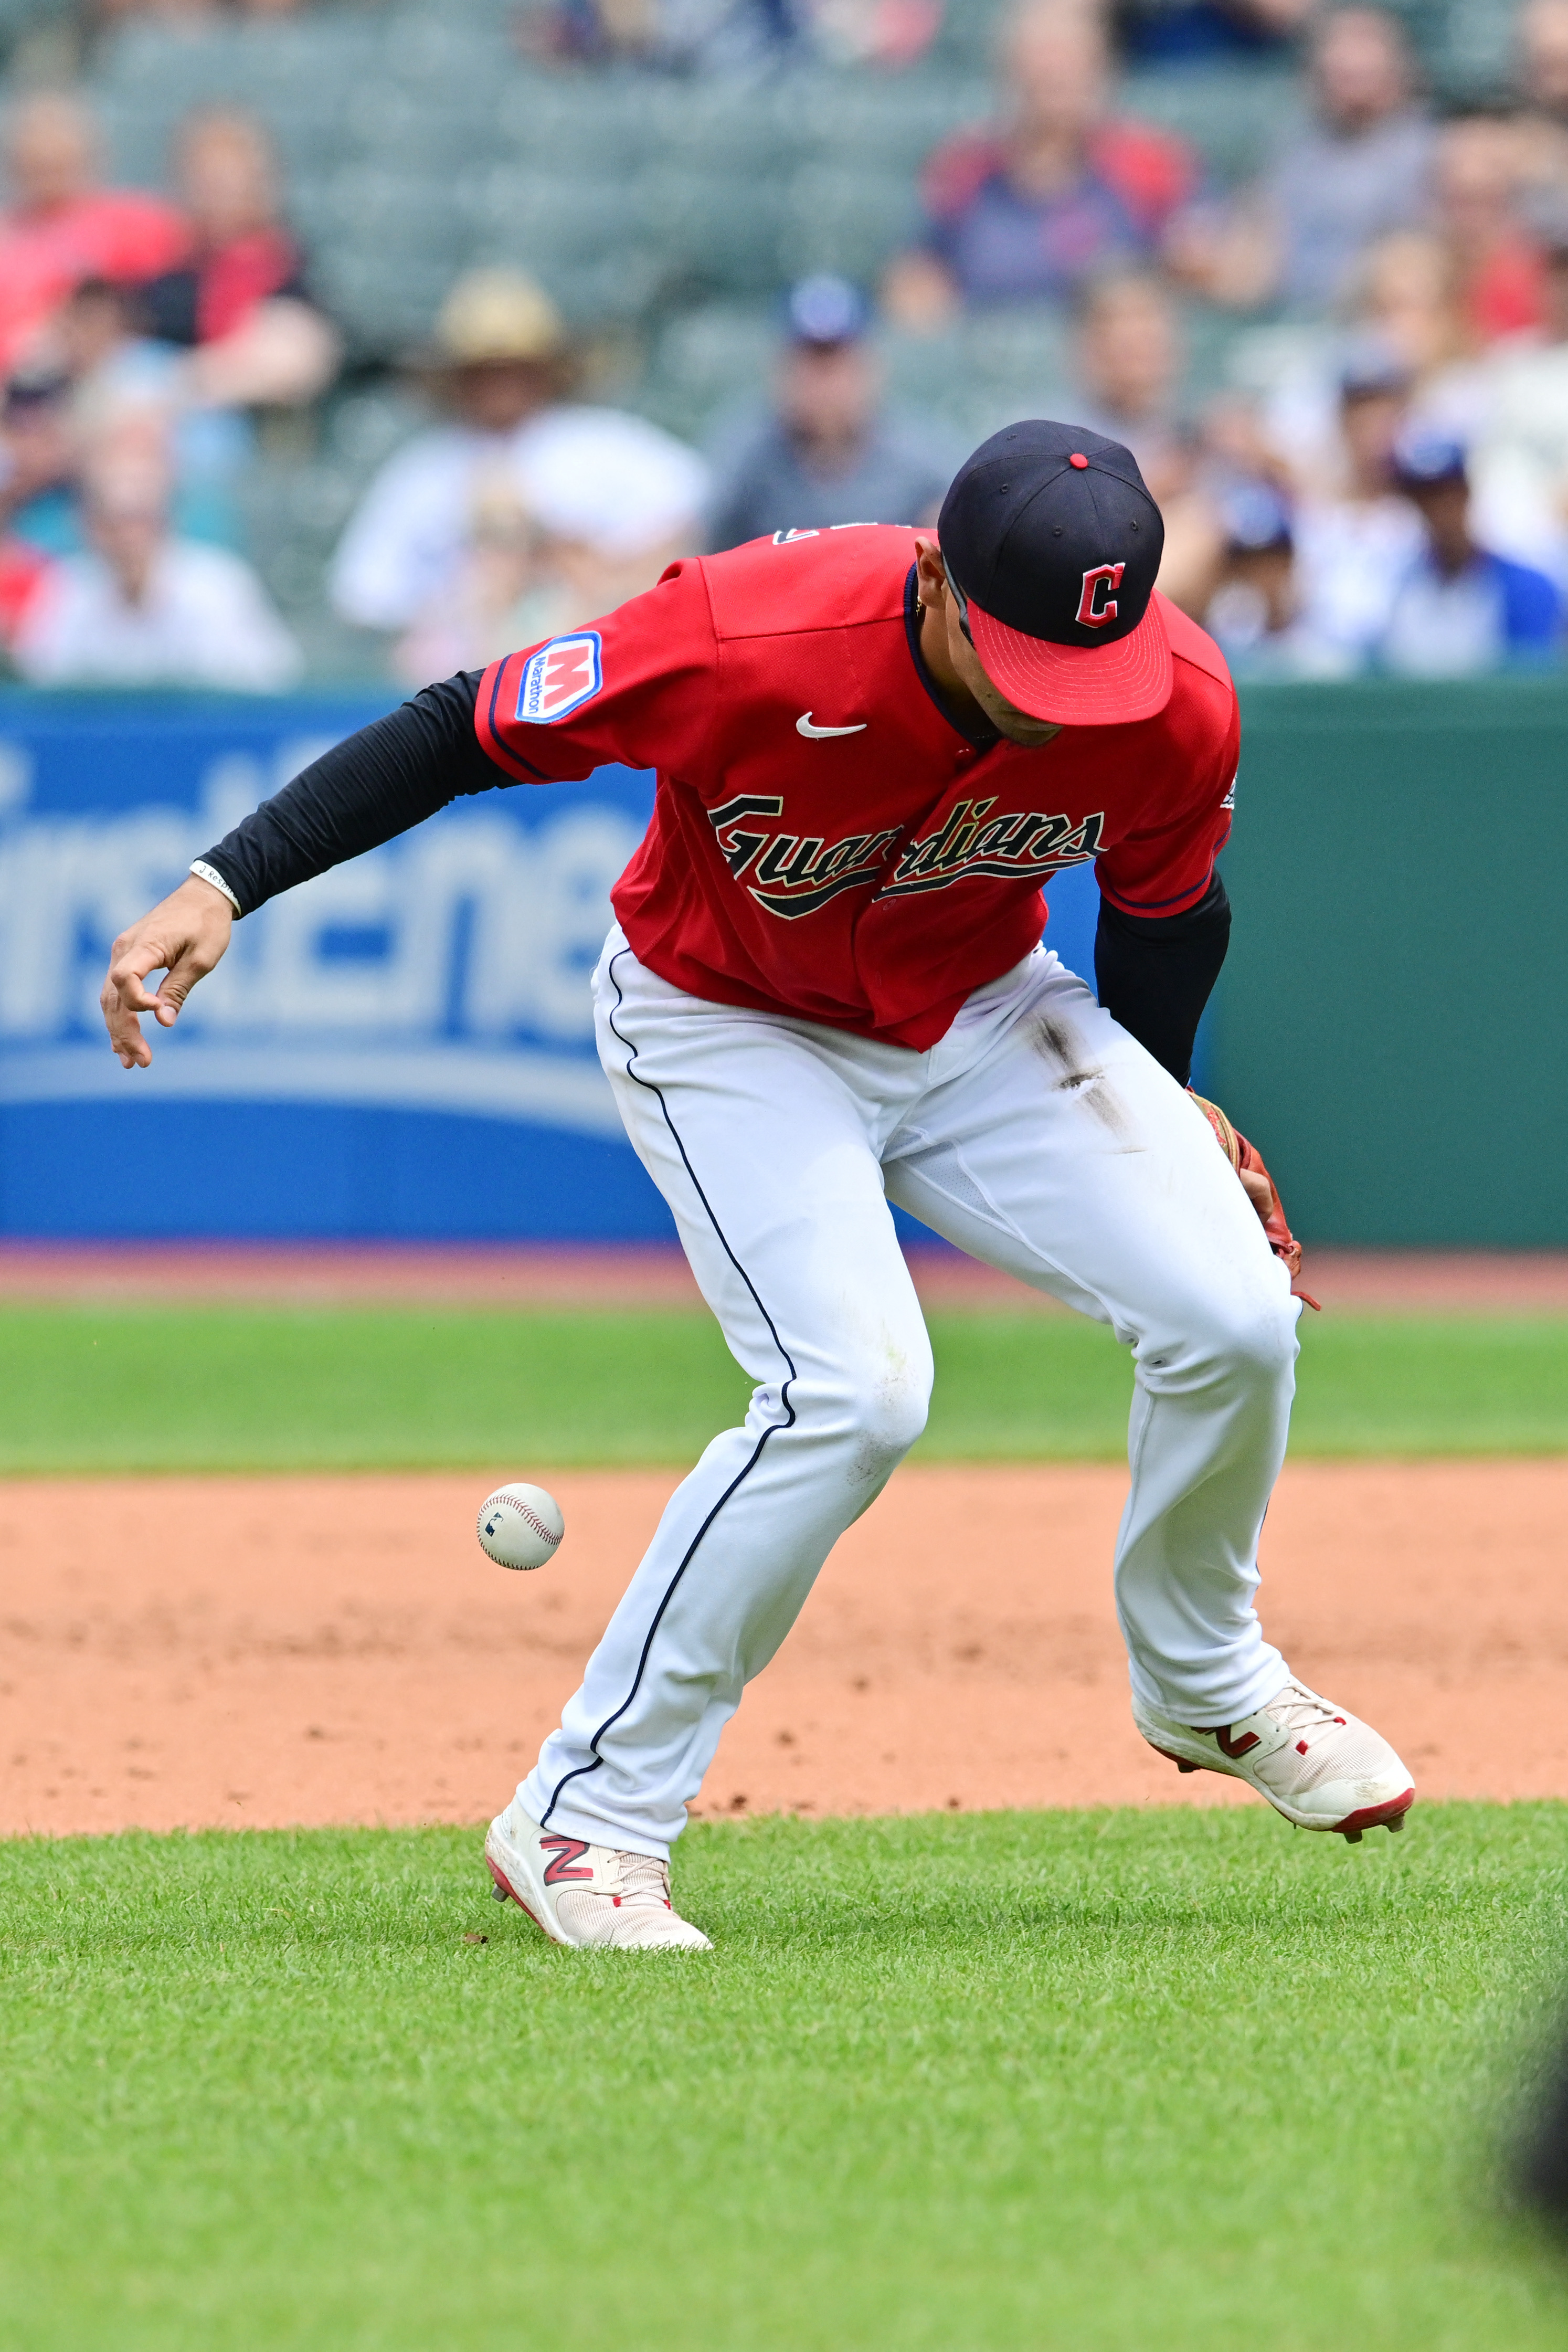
x=1094, y=609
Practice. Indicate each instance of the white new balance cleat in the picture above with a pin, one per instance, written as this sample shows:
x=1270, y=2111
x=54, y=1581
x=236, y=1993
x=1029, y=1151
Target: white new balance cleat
x=1322, y=1767
x=584, y=1895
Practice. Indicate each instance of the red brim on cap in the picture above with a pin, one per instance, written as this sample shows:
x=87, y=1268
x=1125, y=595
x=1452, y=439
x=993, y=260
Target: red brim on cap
x=1079, y=686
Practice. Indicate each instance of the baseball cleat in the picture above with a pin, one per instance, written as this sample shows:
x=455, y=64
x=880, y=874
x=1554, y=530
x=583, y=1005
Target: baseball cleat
x=1319, y=1766
x=586, y=1895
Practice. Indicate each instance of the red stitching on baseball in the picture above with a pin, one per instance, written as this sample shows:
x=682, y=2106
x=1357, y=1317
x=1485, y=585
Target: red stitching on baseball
x=545, y=1535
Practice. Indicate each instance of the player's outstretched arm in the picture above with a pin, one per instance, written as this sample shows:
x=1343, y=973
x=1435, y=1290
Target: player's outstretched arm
x=376, y=784
x=183, y=937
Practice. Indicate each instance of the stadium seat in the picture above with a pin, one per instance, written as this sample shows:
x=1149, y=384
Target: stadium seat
x=1473, y=55
x=846, y=220
x=707, y=360
x=1236, y=116
x=1210, y=338
x=719, y=129
x=984, y=371
x=574, y=122
x=388, y=124
x=395, y=216
x=572, y=217
x=712, y=230
x=384, y=301
x=864, y=124
x=966, y=41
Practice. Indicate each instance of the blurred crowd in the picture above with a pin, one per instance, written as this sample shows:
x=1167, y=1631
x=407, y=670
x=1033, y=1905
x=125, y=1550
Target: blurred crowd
x=1390, y=495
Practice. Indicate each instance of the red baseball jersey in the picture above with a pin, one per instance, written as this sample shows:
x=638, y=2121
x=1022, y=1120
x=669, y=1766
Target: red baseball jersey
x=825, y=840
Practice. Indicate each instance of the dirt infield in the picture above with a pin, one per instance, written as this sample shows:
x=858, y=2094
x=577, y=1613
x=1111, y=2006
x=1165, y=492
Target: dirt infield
x=190, y=1652
x=643, y=1275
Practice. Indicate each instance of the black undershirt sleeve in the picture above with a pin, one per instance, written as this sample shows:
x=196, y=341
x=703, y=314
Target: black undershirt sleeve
x=393, y=774
x=1153, y=973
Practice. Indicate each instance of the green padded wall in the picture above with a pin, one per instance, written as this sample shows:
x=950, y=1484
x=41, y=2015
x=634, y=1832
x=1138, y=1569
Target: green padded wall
x=1392, y=1026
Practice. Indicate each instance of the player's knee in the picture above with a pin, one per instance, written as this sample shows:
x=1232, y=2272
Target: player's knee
x=879, y=1408
x=891, y=1411
x=1254, y=1340
x=1227, y=1340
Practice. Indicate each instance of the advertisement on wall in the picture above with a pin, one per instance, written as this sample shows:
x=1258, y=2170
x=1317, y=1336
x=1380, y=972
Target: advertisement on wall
x=403, y=1047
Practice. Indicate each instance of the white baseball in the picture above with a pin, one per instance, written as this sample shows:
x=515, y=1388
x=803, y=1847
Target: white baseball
x=520, y=1527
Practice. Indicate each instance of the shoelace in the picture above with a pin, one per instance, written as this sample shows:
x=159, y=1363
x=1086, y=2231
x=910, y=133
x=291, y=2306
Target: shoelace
x=1298, y=1709
x=644, y=1879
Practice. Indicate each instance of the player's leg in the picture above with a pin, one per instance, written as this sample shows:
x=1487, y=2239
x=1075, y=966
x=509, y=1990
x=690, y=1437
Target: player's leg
x=769, y=1157
x=1050, y=1143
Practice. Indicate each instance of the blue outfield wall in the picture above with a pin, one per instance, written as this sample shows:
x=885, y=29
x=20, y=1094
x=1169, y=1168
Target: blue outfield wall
x=403, y=1048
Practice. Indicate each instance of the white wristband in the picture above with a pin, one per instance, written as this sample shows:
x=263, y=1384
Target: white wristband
x=207, y=874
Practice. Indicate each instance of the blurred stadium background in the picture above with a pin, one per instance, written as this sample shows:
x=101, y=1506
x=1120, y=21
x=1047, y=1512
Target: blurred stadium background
x=344, y=342
x=655, y=179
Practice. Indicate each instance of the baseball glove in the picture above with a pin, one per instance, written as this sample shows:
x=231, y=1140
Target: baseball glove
x=1261, y=1191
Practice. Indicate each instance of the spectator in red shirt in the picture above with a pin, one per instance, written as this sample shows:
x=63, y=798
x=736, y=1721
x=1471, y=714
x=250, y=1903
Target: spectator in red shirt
x=63, y=228
x=1499, y=268
x=1031, y=210
x=21, y=570
x=237, y=300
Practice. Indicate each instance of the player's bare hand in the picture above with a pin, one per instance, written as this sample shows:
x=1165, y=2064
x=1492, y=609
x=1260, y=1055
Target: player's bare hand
x=183, y=938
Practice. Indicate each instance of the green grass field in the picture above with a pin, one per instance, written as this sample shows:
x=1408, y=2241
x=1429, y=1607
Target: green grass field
x=1018, y=2083
x=212, y=1388
x=1027, y=2083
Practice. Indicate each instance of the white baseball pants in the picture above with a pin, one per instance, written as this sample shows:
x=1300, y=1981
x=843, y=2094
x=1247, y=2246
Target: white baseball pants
x=1038, y=1137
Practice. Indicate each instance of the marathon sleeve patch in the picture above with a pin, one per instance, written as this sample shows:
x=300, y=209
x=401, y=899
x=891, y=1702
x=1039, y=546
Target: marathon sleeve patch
x=559, y=678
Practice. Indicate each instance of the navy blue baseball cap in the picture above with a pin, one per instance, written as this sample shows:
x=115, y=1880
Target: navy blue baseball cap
x=1255, y=517
x=826, y=309
x=1053, y=543
x=1423, y=457
x=1371, y=369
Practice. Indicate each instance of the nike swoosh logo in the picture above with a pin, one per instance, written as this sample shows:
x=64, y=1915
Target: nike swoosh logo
x=803, y=727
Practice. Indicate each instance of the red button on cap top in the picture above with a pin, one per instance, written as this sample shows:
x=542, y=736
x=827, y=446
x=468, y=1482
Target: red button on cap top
x=1079, y=460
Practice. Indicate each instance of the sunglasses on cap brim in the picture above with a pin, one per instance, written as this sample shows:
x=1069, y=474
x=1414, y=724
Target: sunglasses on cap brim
x=962, y=602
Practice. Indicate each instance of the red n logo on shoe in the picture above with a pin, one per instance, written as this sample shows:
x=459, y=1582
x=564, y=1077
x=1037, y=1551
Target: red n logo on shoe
x=566, y=1852
x=1234, y=1748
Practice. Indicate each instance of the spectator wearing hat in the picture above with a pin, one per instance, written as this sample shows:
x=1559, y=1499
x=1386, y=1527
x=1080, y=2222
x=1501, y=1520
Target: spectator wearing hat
x=1459, y=609
x=63, y=226
x=1410, y=327
x=588, y=475
x=1354, y=539
x=1062, y=192
x=1254, y=613
x=829, y=451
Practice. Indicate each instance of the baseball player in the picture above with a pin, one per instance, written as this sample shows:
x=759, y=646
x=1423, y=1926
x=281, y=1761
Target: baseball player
x=825, y=991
